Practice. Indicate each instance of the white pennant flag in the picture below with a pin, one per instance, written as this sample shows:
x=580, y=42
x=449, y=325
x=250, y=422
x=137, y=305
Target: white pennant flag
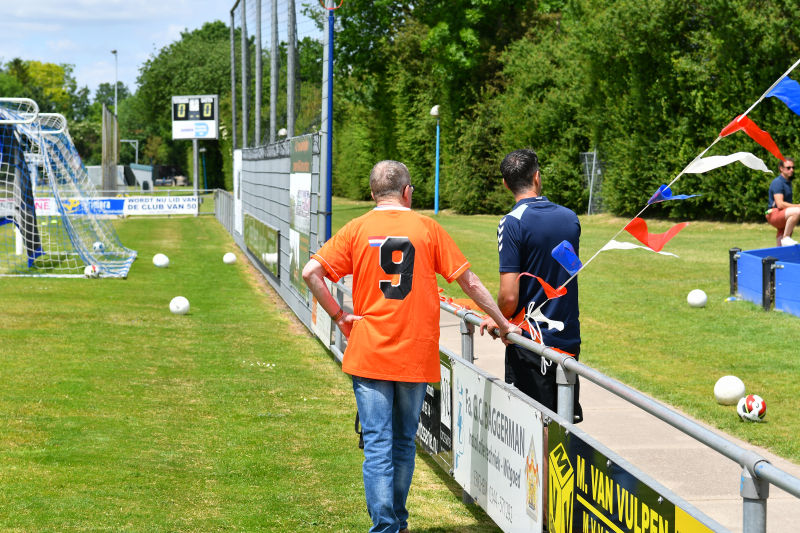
x=699, y=166
x=617, y=245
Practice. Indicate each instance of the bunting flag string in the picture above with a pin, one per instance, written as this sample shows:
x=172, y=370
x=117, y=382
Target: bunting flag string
x=655, y=241
x=757, y=134
x=664, y=194
x=788, y=91
x=784, y=88
x=618, y=245
x=549, y=291
x=565, y=254
x=704, y=164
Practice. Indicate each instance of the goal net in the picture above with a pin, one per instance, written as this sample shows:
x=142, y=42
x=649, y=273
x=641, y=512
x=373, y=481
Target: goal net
x=51, y=222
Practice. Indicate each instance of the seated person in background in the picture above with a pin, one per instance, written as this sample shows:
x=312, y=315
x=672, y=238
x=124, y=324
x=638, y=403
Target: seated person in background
x=781, y=212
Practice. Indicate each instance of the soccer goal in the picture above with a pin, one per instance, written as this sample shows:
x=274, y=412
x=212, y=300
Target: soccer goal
x=50, y=223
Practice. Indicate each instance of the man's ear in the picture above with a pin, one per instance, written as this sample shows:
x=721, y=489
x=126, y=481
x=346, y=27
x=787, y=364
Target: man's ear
x=505, y=184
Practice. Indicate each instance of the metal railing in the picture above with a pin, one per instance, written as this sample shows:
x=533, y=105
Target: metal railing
x=757, y=472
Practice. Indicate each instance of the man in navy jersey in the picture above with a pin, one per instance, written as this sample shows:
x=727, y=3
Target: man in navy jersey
x=525, y=239
x=781, y=212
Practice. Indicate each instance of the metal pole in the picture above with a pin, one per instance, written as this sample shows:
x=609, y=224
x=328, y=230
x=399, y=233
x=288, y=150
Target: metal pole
x=754, y=494
x=591, y=180
x=245, y=102
x=291, y=53
x=233, y=81
x=274, y=72
x=195, y=163
x=329, y=162
x=115, y=81
x=767, y=282
x=467, y=340
x=733, y=266
x=436, y=196
x=257, y=140
x=565, y=382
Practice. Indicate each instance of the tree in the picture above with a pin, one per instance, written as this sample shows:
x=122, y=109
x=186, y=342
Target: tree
x=198, y=63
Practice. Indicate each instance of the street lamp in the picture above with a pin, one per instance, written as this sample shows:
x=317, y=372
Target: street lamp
x=115, y=80
x=435, y=113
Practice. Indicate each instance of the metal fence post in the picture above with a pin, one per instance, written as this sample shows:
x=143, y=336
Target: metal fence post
x=767, y=281
x=733, y=261
x=467, y=341
x=754, y=494
x=468, y=354
x=565, y=381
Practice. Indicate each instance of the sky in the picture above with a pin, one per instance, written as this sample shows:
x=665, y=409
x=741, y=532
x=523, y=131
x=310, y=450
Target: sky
x=83, y=33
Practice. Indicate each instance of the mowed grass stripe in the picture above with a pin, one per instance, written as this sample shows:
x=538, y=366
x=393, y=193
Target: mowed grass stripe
x=119, y=416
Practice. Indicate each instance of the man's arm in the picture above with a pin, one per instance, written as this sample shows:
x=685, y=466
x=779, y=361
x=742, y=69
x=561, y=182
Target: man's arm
x=508, y=297
x=472, y=286
x=780, y=203
x=314, y=276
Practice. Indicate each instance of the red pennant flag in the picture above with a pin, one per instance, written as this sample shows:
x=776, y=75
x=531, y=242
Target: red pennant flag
x=655, y=241
x=549, y=291
x=757, y=134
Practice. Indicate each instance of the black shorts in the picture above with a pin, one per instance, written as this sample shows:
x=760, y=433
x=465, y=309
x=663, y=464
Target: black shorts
x=523, y=370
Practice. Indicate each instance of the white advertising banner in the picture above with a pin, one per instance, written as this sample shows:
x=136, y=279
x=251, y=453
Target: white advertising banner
x=497, y=450
x=161, y=205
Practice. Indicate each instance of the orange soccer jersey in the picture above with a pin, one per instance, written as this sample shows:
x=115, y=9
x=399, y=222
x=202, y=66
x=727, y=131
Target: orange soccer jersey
x=394, y=255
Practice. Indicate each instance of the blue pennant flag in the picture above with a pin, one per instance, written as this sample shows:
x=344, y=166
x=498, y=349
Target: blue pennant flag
x=565, y=254
x=788, y=91
x=664, y=193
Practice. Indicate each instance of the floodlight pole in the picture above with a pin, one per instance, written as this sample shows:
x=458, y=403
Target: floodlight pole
x=205, y=179
x=196, y=161
x=435, y=113
x=329, y=137
x=115, y=81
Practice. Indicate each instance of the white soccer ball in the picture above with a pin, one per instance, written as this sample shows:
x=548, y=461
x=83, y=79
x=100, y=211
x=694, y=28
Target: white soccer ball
x=697, y=298
x=98, y=246
x=91, y=271
x=728, y=390
x=752, y=408
x=229, y=258
x=161, y=260
x=179, y=305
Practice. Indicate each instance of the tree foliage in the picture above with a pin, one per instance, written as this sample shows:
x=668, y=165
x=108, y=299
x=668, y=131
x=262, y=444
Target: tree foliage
x=649, y=84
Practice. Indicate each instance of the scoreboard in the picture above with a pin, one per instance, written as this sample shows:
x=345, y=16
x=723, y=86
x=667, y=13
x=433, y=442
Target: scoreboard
x=195, y=117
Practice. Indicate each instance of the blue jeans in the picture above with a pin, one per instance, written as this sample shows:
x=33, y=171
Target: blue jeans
x=389, y=413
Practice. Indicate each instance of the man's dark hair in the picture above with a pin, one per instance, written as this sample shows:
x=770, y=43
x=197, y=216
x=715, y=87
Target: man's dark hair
x=388, y=178
x=518, y=169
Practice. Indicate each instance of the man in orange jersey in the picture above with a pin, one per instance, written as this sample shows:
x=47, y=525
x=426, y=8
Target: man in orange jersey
x=394, y=255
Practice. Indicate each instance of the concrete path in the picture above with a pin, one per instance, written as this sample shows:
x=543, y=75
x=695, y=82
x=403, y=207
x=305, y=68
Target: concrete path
x=699, y=475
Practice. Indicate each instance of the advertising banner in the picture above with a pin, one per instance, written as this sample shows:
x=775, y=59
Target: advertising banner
x=263, y=241
x=299, y=209
x=587, y=492
x=498, y=450
x=161, y=205
x=132, y=205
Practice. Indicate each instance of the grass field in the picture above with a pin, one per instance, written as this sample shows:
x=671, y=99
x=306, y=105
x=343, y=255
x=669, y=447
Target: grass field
x=118, y=416
x=637, y=327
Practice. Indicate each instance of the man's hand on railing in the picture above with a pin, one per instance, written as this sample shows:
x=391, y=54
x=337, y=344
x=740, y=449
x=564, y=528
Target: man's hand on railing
x=490, y=326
